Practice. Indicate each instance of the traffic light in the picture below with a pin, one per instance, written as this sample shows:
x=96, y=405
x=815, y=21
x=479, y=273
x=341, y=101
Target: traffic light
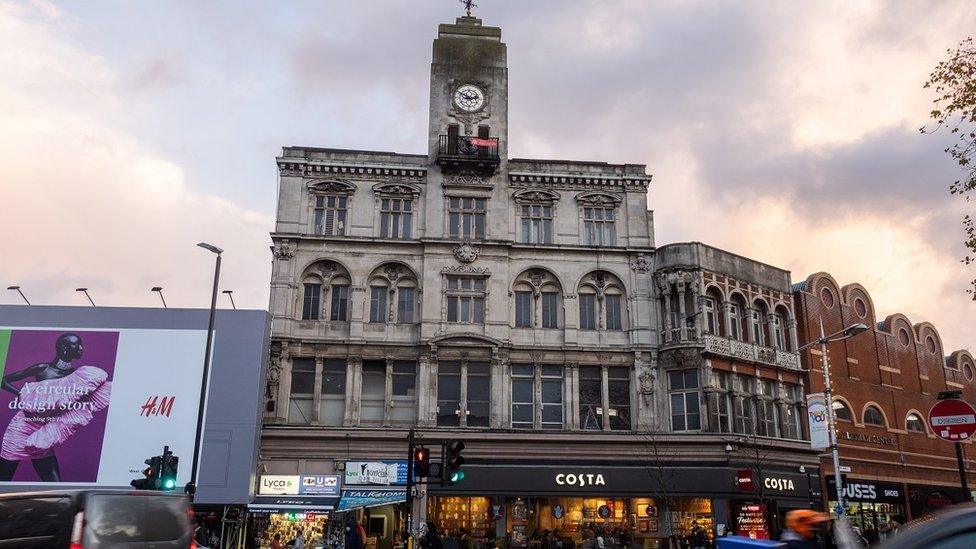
x=167, y=475
x=421, y=462
x=452, y=460
x=150, y=475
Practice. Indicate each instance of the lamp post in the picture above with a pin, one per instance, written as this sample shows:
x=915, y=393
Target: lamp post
x=85, y=291
x=159, y=290
x=230, y=294
x=206, y=369
x=846, y=333
x=17, y=289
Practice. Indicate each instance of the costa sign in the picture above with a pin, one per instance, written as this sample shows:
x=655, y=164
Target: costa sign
x=953, y=419
x=580, y=479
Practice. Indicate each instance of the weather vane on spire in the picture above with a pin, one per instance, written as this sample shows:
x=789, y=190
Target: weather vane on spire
x=468, y=4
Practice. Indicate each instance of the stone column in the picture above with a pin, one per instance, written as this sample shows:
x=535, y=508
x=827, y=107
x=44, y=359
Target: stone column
x=388, y=393
x=682, y=314
x=791, y=335
x=354, y=385
x=463, y=404
x=537, y=396
x=571, y=374
x=501, y=392
x=427, y=391
x=666, y=300
x=727, y=317
x=771, y=330
x=750, y=327
x=317, y=390
x=605, y=396
x=699, y=305
x=357, y=304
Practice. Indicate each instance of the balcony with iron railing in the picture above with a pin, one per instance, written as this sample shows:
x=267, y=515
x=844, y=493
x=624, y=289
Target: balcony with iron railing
x=468, y=152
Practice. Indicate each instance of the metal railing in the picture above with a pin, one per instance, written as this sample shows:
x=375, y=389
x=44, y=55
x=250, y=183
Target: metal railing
x=464, y=146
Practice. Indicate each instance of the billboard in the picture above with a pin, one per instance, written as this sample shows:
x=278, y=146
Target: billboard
x=817, y=421
x=385, y=473
x=86, y=406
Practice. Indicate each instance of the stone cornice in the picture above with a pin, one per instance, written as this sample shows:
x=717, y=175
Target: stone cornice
x=349, y=171
x=579, y=181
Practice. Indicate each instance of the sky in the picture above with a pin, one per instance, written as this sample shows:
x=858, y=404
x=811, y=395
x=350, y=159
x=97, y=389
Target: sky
x=782, y=131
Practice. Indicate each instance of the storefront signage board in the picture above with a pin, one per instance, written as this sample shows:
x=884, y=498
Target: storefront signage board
x=817, y=420
x=279, y=485
x=868, y=491
x=376, y=473
x=953, y=419
x=354, y=499
x=320, y=485
x=744, y=480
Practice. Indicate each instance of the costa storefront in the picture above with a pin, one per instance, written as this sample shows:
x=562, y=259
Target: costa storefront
x=520, y=503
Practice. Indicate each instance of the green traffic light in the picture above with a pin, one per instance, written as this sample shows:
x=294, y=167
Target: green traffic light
x=458, y=476
x=169, y=484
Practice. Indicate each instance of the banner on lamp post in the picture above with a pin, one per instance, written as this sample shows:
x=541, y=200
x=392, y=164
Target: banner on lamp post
x=817, y=420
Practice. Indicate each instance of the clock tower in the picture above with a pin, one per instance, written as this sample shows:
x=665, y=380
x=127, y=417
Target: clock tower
x=468, y=97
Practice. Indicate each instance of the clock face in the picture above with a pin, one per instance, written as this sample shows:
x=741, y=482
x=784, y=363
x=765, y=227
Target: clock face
x=469, y=98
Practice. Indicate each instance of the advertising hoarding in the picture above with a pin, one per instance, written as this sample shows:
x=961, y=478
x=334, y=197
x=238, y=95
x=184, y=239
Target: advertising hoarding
x=372, y=473
x=86, y=406
x=817, y=421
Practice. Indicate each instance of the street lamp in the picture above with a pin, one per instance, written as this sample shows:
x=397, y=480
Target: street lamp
x=230, y=294
x=85, y=291
x=159, y=290
x=206, y=368
x=17, y=289
x=846, y=333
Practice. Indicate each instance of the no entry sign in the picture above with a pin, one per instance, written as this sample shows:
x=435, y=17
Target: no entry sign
x=953, y=419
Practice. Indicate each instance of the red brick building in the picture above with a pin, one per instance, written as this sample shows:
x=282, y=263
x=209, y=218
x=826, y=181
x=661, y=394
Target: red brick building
x=884, y=382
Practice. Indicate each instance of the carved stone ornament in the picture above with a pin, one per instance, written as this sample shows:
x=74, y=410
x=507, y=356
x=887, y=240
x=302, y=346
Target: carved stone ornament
x=640, y=264
x=466, y=252
x=284, y=250
x=466, y=269
x=537, y=277
x=646, y=381
x=467, y=180
x=396, y=189
x=392, y=272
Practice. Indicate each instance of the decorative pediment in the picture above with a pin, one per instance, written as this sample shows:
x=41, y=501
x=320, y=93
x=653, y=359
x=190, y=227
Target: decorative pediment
x=535, y=196
x=333, y=186
x=468, y=181
x=599, y=198
x=396, y=189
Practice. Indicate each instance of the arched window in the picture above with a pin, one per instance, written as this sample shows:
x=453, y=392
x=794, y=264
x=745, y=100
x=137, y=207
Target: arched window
x=914, y=423
x=712, y=309
x=602, y=302
x=737, y=318
x=393, y=295
x=758, y=319
x=873, y=416
x=324, y=284
x=781, y=334
x=538, y=300
x=841, y=411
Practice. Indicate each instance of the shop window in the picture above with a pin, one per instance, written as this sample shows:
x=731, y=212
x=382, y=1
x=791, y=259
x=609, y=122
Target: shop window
x=302, y=391
x=685, y=400
x=618, y=389
x=333, y=404
x=720, y=402
x=457, y=515
x=466, y=299
x=452, y=409
x=873, y=416
x=311, y=301
x=396, y=216
x=744, y=406
x=841, y=411
x=914, y=423
x=548, y=401
x=467, y=218
x=591, y=398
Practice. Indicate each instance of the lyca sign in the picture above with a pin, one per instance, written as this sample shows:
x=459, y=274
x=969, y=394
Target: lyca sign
x=580, y=479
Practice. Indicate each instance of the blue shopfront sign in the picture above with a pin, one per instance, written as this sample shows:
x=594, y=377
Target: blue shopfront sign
x=376, y=473
x=354, y=499
x=319, y=485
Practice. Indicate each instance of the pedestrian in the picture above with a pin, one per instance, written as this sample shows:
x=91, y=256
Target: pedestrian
x=352, y=538
x=859, y=537
x=300, y=540
x=600, y=542
x=432, y=540
x=276, y=542
x=699, y=538
x=801, y=528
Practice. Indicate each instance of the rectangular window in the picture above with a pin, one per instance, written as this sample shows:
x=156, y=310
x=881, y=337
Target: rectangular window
x=685, y=400
x=478, y=379
x=373, y=391
x=536, y=224
x=333, y=405
x=340, y=302
x=767, y=414
x=377, y=303
x=330, y=215
x=302, y=391
x=744, y=406
x=711, y=316
x=467, y=217
x=720, y=403
x=552, y=397
x=598, y=226
x=587, y=303
x=523, y=396
x=612, y=303
x=395, y=217
x=449, y=394
x=523, y=309
x=406, y=302
x=591, y=398
x=311, y=301
x=793, y=412
x=466, y=299
x=757, y=327
x=404, y=392
x=550, y=310
x=734, y=321
x=618, y=387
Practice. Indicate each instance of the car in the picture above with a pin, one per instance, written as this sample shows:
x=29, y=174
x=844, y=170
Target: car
x=93, y=519
x=953, y=527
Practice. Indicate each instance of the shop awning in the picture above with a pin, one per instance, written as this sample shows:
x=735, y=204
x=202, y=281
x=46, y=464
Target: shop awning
x=357, y=499
x=292, y=504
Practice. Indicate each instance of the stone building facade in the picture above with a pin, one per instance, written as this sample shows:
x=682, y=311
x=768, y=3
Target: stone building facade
x=884, y=382
x=522, y=306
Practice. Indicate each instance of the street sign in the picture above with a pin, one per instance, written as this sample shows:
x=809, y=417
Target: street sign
x=953, y=419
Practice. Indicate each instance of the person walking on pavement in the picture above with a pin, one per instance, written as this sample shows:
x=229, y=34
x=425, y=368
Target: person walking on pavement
x=801, y=528
x=352, y=538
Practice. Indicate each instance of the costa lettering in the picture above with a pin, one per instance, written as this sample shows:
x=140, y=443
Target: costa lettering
x=580, y=479
x=781, y=484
